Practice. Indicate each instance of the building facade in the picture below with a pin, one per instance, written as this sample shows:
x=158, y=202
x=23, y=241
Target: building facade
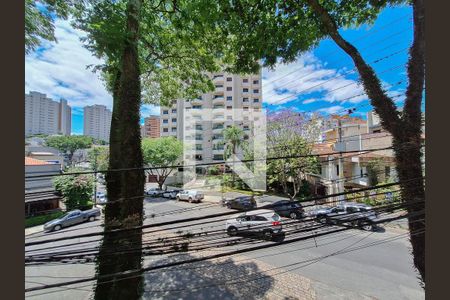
x=233, y=94
x=45, y=116
x=151, y=127
x=97, y=122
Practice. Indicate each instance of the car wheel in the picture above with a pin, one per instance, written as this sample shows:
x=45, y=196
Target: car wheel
x=190, y=200
x=322, y=219
x=178, y=198
x=367, y=226
x=267, y=234
x=232, y=231
x=293, y=215
x=228, y=205
x=57, y=227
x=91, y=218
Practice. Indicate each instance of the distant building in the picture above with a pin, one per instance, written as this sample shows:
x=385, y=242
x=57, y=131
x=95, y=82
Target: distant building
x=40, y=194
x=45, y=116
x=151, y=127
x=97, y=122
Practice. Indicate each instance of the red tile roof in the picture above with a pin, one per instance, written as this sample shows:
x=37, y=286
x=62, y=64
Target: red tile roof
x=35, y=162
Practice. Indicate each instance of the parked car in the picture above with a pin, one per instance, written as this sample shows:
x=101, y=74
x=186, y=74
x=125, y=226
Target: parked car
x=101, y=200
x=262, y=221
x=72, y=218
x=154, y=192
x=356, y=214
x=190, y=195
x=240, y=203
x=288, y=209
x=171, y=194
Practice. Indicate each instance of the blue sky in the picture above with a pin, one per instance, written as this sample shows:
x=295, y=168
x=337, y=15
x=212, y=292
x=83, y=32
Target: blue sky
x=321, y=80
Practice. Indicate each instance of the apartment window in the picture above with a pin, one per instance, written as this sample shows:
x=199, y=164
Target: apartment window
x=198, y=157
x=256, y=81
x=245, y=108
x=174, y=120
x=229, y=79
x=229, y=117
x=337, y=170
x=229, y=107
x=165, y=112
x=165, y=129
x=255, y=100
x=245, y=80
x=198, y=127
x=165, y=121
x=229, y=88
x=229, y=98
x=218, y=157
x=174, y=110
x=256, y=91
x=219, y=86
x=245, y=118
x=198, y=147
x=196, y=106
x=174, y=129
x=244, y=99
x=245, y=90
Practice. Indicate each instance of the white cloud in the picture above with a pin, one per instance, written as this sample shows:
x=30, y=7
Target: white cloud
x=308, y=75
x=331, y=109
x=60, y=70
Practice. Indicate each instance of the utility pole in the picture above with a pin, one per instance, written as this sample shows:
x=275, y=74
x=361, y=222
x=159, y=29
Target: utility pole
x=95, y=177
x=340, y=164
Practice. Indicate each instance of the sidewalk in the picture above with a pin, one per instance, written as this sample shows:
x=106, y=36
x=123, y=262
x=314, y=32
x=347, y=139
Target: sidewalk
x=34, y=229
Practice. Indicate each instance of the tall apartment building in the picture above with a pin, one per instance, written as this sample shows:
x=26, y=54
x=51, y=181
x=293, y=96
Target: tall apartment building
x=232, y=93
x=151, y=127
x=45, y=116
x=97, y=122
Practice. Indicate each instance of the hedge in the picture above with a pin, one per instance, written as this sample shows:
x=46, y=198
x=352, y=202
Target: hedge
x=39, y=220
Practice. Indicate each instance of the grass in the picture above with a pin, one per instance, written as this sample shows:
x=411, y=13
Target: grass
x=39, y=220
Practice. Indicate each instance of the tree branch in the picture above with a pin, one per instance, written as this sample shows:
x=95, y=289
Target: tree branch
x=384, y=105
x=412, y=114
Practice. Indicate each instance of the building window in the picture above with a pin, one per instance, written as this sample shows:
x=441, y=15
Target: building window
x=256, y=91
x=198, y=147
x=174, y=120
x=229, y=79
x=337, y=170
x=165, y=129
x=244, y=99
x=219, y=86
x=218, y=157
x=174, y=129
x=256, y=100
x=229, y=107
x=229, y=98
x=196, y=106
x=198, y=157
x=165, y=112
x=256, y=81
x=229, y=88
x=174, y=110
x=245, y=80
x=229, y=117
x=165, y=121
x=245, y=108
x=245, y=90
x=387, y=172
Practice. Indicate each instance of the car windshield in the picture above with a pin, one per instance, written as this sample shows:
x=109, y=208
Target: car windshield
x=276, y=217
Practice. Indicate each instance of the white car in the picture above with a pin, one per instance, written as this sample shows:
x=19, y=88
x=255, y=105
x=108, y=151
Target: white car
x=262, y=221
x=171, y=194
x=154, y=192
x=190, y=195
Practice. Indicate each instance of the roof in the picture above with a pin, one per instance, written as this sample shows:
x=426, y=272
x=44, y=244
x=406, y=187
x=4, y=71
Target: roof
x=259, y=212
x=29, y=161
x=323, y=148
x=43, y=153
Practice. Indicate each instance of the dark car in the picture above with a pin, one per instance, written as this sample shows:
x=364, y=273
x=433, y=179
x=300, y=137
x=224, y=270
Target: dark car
x=241, y=203
x=289, y=209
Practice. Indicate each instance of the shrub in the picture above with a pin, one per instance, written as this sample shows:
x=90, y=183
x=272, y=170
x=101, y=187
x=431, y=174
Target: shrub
x=42, y=219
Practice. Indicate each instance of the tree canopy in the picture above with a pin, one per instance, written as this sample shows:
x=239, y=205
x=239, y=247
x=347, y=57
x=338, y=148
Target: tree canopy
x=69, y=143
x=163, y=151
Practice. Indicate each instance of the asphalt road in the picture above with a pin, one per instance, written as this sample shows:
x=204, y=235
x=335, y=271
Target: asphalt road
x=329, y=267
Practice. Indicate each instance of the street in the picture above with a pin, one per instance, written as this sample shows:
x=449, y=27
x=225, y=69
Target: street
x=329, y=267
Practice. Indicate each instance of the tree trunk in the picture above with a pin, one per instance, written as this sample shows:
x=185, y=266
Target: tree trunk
x=125, y=188
x=405, y=129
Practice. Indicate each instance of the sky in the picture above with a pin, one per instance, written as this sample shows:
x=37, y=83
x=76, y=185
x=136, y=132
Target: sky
x=322, y=80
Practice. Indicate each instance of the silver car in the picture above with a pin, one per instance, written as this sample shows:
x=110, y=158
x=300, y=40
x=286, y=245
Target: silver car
x=190, y=195
x=72, y=218
x=262, y=221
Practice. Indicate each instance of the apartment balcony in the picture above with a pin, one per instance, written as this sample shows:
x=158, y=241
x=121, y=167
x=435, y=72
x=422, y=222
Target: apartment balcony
x=217, y=138
x=218, y=151
x=218, y=129
x=218, y=100
x=219, y=89
x=197, y=101
x=218, y=79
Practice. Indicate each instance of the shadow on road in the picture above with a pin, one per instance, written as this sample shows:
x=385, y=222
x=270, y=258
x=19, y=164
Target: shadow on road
x=224, y=279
